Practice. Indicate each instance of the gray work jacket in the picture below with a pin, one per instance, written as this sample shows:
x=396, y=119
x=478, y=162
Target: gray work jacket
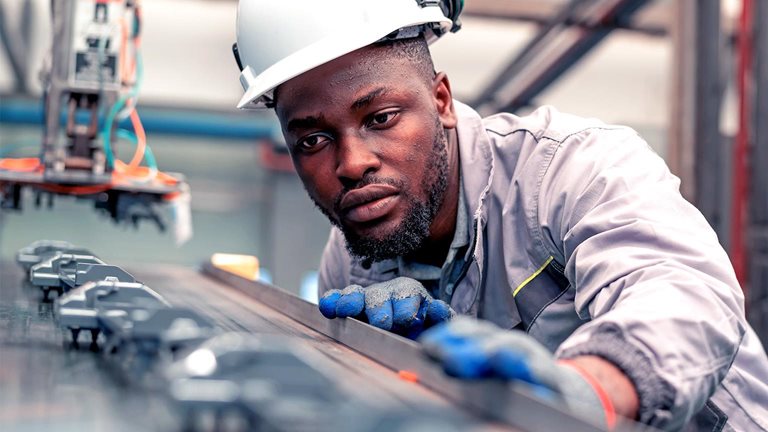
x=581, y=238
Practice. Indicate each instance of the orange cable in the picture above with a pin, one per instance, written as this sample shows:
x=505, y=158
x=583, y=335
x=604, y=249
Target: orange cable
x=124, y=175
x=141, y=137
x=20, y=164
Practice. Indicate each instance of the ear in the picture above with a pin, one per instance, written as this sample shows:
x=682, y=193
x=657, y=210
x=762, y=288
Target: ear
x=441, y=91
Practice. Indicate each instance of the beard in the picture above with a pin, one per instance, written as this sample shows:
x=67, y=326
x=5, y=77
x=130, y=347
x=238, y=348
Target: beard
x=410, y=235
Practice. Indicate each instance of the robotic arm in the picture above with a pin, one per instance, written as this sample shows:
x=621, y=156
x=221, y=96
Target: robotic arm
x=91, y=81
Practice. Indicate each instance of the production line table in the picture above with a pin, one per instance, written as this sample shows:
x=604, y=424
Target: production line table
x=46, y=384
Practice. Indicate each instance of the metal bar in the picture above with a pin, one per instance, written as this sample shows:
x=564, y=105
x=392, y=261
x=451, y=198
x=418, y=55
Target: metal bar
x=653, y=20
x=15, y=46
x=682, y=107
x=742, y=142
x=649, y=30
x=758, y=199
x=525, y=78
x=560, y=18
x=709, y=151
x=53, y=152
x=697, y=153
x=513, y=403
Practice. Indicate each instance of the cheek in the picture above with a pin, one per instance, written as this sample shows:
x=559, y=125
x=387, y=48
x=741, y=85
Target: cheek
x=320, y=183
x=415, y=157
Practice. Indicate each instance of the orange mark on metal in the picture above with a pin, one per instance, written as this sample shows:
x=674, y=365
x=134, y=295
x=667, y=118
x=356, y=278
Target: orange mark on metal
x=409, y=376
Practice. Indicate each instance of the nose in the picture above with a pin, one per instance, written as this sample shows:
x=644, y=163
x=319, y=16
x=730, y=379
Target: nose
x=355, y=158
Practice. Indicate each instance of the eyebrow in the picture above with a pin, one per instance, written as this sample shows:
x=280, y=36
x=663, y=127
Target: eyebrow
x=304, y=122
x=366, y=100
x=313, y=121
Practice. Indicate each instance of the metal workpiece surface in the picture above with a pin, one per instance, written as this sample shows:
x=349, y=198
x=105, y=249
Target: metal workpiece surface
x=47, y=384
x=512, y=403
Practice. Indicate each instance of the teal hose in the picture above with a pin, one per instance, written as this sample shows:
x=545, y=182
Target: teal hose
x=106, y=133
x=116, y=108
x=149, y=157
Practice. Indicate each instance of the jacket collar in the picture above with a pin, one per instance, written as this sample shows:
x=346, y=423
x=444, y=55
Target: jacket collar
x=476, y=165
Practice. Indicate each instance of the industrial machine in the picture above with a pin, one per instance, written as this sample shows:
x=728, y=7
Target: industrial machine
x=91, y=82
x=170, y=359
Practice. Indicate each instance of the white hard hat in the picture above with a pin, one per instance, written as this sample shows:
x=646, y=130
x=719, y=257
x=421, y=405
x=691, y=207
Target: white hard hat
x=281, y=39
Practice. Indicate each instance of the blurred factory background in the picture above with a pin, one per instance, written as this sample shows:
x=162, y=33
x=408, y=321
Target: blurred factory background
x=676, y=71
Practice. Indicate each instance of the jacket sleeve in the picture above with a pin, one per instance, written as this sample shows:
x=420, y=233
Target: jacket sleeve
x=334, y=264
x=659, y=291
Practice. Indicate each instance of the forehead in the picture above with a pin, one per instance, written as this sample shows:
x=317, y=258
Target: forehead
x=343, y=79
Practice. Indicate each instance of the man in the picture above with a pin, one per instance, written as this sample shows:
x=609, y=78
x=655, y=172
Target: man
x=604, y=285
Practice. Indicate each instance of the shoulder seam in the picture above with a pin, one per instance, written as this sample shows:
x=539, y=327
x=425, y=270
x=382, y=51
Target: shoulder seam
x=528, y=131
x=547, y=137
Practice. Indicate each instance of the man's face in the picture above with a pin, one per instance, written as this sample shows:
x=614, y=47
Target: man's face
x=366, y=136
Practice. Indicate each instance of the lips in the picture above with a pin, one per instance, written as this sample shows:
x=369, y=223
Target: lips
x=369, y=202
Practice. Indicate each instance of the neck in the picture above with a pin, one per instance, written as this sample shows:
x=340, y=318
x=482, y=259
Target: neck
x=441, y=232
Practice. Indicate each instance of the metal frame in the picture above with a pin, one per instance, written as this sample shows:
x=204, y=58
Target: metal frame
x=514, y=403
x=16, y=45
x=697, y=153
x=648, y=30
x=758, y=200
x=55, y=153
x=556, y=48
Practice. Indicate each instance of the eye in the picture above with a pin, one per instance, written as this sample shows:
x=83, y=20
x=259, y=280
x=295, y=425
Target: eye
x=312, y=143
x=382, y=119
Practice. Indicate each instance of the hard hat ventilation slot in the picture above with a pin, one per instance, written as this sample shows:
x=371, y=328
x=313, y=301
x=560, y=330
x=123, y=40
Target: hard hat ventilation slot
x=404, y=33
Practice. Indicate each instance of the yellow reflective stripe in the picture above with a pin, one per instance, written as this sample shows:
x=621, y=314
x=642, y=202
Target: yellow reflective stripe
x=531, y=277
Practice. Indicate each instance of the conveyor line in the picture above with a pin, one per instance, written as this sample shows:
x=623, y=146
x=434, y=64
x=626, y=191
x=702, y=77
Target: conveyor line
x=47, y=385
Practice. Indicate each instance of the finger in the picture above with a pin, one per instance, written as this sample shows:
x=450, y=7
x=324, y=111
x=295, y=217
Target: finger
x=351, y=303
x=378, y=306
x=417, y=328
x=434, y=339
x=438, y=311
x=463, y=358
x=409, y=301
x=327, y=303
x=455, y=332
x=509, y=363
x=406, y=312
x=517, y=355
x=460, y=355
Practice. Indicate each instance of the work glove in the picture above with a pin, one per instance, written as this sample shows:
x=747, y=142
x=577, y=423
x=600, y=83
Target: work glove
x=400, y=305
x=469, y=348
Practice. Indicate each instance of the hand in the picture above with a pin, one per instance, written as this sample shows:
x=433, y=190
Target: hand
x=401, y=305
x=469, y=348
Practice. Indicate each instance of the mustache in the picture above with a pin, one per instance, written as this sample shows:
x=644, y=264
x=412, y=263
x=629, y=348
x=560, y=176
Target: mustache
x=368, y=179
